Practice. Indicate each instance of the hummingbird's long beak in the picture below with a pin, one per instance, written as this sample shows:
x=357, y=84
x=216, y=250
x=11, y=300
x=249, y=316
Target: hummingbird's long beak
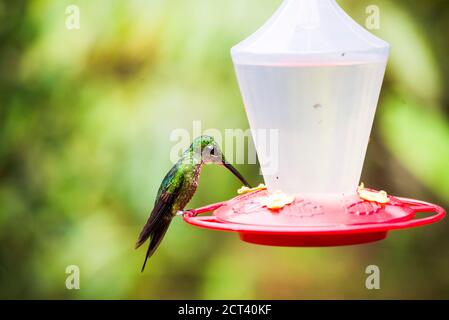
x=236, y=173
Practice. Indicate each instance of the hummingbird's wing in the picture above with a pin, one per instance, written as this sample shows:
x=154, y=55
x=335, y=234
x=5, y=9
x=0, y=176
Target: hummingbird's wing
x=161, y=212
x=156, y=237
x=157, y=225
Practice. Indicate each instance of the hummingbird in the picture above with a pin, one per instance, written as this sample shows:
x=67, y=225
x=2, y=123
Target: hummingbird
x=178, y=187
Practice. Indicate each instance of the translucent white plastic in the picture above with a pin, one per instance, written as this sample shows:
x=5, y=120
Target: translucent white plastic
x=314, y=75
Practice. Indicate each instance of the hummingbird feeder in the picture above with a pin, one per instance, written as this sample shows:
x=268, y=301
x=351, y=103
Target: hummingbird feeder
x=314, y=75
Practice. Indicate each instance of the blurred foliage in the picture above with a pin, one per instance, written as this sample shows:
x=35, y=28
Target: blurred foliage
x=85, y=118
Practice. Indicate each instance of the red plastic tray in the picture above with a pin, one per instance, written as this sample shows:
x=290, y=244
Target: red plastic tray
x=313, y=222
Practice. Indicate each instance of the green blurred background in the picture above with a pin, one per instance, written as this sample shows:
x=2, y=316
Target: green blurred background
x=85, y=118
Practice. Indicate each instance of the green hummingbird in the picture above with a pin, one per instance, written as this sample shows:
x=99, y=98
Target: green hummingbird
x=178, y=187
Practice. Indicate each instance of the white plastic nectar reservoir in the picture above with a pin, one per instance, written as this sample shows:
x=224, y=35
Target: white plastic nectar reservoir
x=314, y=76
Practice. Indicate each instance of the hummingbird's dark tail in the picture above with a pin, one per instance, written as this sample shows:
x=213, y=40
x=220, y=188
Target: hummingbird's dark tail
x=156, y=236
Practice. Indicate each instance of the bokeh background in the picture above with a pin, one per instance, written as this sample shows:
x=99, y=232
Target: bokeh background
x=85, y=119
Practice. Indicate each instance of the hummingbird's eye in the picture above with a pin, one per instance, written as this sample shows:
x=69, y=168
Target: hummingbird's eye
x=213, y=152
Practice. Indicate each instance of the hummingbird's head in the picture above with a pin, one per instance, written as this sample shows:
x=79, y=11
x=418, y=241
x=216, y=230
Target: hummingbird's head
x=208, y=150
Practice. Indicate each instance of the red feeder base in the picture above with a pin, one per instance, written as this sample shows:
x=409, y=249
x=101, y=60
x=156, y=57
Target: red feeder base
x=313, y=222
x=298, y=240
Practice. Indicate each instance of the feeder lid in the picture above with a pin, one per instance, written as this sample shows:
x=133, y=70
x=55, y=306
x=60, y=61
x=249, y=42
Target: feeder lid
x=310, y=31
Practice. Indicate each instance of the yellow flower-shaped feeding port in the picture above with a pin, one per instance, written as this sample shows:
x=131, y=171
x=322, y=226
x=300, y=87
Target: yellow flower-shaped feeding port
x=372, y=196
x=277, y=200
x=244, y=189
